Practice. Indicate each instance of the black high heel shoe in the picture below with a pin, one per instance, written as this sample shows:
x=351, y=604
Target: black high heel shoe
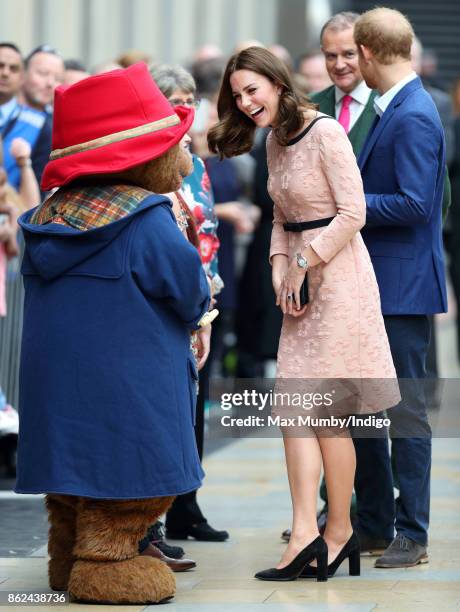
x=350, y=550
x=315, y=550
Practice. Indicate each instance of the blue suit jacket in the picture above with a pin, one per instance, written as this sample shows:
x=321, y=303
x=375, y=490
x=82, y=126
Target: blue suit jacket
x=402, y=165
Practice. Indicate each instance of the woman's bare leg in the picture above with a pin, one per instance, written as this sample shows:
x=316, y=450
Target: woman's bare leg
x=339, y=462
x=303, y=461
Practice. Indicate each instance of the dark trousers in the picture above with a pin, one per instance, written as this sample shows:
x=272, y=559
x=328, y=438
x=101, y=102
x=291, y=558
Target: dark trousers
x=411, y=444
x=185, y=510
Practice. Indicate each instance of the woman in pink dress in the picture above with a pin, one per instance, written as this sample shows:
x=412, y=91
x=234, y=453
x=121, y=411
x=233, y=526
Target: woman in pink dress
x=339, y=334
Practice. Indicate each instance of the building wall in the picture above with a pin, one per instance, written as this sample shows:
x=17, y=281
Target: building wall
x=169, y=30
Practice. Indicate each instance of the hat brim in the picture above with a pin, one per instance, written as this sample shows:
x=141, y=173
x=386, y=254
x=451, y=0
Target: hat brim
x=117, y=156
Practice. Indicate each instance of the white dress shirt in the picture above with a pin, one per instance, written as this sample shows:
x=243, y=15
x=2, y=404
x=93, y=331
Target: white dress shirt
x=6, y=110
x=360, y=95
x=381, y=103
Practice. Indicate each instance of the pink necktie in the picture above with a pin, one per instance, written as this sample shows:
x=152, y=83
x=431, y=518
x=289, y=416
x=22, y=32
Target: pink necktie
x=344, y=117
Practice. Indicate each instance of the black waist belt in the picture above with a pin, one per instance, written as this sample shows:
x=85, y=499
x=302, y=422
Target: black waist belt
x=306, y=225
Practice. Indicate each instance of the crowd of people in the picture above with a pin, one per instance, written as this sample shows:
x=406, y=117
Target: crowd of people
x=276, y=191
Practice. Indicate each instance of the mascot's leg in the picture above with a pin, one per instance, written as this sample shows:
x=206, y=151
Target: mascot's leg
x=61, y=539
x=108, y=566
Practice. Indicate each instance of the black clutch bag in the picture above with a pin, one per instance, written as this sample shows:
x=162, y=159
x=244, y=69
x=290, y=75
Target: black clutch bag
x=304, y=297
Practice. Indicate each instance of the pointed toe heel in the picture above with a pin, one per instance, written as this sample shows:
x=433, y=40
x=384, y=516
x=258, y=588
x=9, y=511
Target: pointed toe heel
x=315, y=550
x=350, y=551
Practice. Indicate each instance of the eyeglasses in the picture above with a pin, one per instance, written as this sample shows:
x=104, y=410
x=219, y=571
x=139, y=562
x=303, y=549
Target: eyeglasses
x=189, y=102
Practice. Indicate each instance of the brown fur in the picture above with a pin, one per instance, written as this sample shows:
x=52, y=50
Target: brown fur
x=110, y=530
x=138, y=580
x=163, y=174
x=61, y=539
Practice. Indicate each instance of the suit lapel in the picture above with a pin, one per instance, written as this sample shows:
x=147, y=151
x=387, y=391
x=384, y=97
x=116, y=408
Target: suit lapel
x=329, y=102
x=360, y=130
x=379, y=125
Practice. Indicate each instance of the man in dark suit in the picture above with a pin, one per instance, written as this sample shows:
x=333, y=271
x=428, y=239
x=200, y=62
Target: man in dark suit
x=403, y=168
x=349, y=99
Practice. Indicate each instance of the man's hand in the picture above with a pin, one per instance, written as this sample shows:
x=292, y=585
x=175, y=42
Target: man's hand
x=20, y=149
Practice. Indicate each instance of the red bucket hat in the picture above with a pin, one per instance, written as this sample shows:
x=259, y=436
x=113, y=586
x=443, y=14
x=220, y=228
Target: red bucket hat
x=110, y=122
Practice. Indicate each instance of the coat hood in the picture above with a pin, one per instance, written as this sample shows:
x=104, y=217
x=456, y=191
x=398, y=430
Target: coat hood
x=54, y=249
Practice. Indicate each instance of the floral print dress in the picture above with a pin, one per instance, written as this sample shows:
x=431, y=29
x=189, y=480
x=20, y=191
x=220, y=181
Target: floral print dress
x=197, y=193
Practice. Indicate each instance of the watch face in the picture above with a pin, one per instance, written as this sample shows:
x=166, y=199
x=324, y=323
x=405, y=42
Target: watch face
x=301, y=261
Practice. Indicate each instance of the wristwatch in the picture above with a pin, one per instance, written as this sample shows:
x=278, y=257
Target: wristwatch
x=302, y=262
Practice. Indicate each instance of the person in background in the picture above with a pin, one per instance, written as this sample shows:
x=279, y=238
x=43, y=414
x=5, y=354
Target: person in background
x=185, y=517
x=348, y=99
x=43, y=72
x=236, y=217
x=74, y=71
x=12, y=204
x=132, y=56
x=206, y=52
x=455, y=94
x=311, y=66
x=283, y=54
x=17, y=120
x=453, y=242
x=441, y=99
x=105, y=67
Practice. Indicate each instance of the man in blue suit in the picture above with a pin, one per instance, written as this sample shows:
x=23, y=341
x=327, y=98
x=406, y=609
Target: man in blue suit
x=403, y=165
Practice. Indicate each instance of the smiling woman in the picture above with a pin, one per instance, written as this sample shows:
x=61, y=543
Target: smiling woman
x=256, y=96
x=319, y=208
x=252, y=81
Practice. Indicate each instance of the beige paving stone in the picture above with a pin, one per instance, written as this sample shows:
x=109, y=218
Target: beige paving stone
x=334, y=596
x=228, y=595
x=246, y=492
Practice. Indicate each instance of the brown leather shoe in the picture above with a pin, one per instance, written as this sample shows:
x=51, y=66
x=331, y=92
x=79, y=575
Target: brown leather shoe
x=176, y=565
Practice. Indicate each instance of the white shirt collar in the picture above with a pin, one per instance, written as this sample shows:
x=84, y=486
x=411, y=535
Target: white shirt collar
x=381, y=103
x=7, y=108
x=359, y=94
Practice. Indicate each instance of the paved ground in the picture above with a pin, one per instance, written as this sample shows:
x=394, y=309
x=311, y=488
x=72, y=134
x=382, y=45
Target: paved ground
x=246, y=493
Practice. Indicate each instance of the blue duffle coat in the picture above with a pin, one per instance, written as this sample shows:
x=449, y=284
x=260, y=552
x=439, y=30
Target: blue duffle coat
x=107, y=380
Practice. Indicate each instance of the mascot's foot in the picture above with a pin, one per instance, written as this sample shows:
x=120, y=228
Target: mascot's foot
x=133, y=581
x=59, y=573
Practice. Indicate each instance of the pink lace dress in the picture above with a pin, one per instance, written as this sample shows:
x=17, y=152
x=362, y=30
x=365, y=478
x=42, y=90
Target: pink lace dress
x=342, y=334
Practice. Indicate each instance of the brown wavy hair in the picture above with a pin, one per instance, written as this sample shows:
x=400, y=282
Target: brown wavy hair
x=234, y=133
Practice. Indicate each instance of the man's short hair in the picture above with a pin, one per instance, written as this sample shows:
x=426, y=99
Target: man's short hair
x=74, y=64
x=339, y=22
x=10, y=45
x=386, y=32
x=45, y=48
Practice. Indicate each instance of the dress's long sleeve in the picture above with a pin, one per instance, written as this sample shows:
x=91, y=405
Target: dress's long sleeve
x=344, y=179
x=280, y=240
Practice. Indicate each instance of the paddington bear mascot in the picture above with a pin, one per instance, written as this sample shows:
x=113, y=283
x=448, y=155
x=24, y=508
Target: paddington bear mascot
x=112, y=293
